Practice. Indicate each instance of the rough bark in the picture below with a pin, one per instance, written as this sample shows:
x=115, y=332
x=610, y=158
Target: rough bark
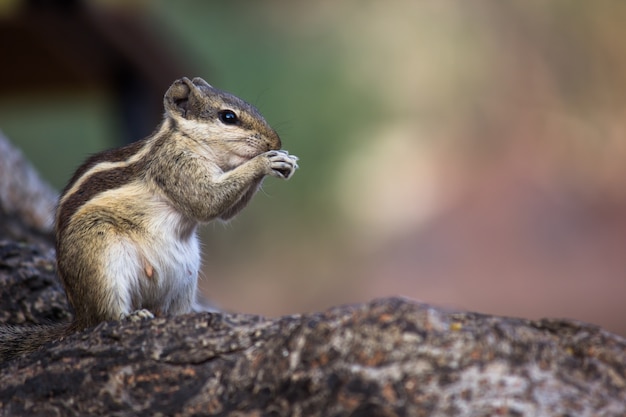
x=385, y=358
x=389, y=357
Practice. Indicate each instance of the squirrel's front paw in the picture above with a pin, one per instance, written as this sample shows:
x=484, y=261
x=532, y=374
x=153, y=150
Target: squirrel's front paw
x=281, y=164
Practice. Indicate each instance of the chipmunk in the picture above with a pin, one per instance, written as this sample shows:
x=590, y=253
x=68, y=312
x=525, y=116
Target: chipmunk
x=126, y=222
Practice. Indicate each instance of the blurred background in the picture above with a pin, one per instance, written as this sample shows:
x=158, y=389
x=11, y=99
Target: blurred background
x=469, y=155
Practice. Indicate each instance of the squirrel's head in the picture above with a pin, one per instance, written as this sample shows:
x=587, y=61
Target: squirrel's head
x=219, y=119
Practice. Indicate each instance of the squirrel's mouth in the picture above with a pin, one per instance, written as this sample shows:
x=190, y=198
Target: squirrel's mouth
x=252, y=146
x=256, y=146
x=245, y=153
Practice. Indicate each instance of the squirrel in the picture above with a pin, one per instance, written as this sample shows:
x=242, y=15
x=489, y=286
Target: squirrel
x=126, y=222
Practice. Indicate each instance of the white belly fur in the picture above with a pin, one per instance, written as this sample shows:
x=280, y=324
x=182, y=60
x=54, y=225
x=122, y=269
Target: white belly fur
x=156, y=269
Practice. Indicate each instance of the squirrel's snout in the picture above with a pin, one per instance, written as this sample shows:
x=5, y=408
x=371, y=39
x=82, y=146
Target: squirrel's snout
x=273, y=142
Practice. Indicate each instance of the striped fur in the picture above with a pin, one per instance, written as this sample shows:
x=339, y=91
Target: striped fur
x=126, y=221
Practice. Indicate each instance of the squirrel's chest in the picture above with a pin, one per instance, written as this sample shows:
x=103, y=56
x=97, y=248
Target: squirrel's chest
x=154, y=264
x=153, y=253
x=168, y=268
x=171, y=246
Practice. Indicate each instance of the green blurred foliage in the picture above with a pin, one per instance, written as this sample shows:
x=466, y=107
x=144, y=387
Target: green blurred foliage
x=58, y=132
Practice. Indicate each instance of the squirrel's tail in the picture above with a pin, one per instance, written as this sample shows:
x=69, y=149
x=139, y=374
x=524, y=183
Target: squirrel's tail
x=20, y=340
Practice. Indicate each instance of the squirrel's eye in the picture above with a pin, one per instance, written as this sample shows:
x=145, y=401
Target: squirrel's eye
x=228, y=117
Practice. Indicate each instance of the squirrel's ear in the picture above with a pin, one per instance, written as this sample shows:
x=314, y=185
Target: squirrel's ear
x=200, y=82
x=176, y=100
